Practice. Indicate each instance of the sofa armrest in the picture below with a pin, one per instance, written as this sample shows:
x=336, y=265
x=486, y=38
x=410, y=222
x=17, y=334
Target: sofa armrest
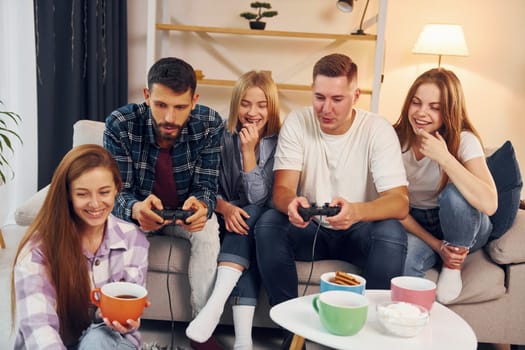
x=26, y=213
x=510, y=248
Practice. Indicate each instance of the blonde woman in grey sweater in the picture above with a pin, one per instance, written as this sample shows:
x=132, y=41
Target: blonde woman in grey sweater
x=245, y=187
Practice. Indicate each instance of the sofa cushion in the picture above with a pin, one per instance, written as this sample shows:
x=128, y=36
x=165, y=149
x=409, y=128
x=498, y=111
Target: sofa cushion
x=26, y=213
x=88, y=131
x=510, y=248
x=506, y=173
x=482, y=279
x=161, y=260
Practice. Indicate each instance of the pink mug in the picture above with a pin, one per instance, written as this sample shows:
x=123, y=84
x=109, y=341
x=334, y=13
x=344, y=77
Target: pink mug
x=415, y=290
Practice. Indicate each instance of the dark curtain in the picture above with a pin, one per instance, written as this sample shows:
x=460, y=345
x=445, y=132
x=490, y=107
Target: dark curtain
x=81, y=49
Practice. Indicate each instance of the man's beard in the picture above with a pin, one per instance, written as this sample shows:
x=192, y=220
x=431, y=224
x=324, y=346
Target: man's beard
x=163, y=136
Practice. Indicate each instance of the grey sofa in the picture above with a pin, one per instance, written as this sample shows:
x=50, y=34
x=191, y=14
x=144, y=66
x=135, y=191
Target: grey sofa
x=492, y=300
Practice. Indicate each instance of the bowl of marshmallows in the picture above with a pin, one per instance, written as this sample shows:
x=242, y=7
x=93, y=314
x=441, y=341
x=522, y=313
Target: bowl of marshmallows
x=402, y=319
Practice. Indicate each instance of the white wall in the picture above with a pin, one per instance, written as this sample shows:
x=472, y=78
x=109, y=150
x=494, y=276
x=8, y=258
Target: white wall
x=492, y=75
x=18, y=92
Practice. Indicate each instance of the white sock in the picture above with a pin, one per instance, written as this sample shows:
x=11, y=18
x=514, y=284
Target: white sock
x=242, y=323
x=449, y=285
x=202, y=327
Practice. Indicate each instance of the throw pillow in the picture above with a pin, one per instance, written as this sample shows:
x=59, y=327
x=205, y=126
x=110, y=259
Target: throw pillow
x=507, y=176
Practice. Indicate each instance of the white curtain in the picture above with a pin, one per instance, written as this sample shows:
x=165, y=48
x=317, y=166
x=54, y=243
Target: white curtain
x=18, y=92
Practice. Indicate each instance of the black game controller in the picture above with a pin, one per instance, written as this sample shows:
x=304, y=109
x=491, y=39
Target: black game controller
x=326, y=209
x=174, y=214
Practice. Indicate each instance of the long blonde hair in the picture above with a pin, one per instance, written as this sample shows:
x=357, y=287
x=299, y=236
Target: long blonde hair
x=56, y=229
x=453, y=112
x=264, y=81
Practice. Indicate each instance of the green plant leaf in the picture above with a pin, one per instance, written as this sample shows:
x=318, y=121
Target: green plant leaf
x=6, y=141
x=7, y=135
x=269, y=13
x=4, y=164
x=248, y=15
x=13, y=116
x=258, y=4
x=5, y=131
x=260, y=14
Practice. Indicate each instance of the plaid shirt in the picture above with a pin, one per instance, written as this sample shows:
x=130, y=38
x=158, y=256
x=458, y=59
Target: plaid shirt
x=130, y=137
x=122, y=256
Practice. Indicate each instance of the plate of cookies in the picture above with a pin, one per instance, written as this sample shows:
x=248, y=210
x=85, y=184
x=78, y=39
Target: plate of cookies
x=340, y=280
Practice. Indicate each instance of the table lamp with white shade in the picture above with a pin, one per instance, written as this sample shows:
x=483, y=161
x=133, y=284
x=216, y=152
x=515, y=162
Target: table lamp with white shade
x=441, y=39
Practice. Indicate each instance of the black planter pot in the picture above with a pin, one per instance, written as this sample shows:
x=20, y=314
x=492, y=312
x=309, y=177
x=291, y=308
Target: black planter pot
x=257, y=25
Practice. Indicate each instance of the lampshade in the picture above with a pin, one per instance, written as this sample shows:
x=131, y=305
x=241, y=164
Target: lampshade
x=345, y=5
x=441, y=39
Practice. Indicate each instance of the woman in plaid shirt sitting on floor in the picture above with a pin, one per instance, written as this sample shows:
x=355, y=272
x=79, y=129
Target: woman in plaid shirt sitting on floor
x=74, y=245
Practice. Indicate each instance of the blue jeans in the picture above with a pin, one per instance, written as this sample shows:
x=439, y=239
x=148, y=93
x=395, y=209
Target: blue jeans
x=455, y=221
x=378, y=248
x=101, y=337
x=240, y=249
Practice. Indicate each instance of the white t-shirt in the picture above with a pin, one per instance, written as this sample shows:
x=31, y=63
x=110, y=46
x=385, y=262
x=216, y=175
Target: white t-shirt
x=357, y=165
x=424, y=175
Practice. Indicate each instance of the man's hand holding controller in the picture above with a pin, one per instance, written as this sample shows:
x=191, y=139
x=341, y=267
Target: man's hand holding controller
x=347, y=215
x=174, y=215
x=300, y=210
x=339, y=213
x=142, y=211
x=193, y=214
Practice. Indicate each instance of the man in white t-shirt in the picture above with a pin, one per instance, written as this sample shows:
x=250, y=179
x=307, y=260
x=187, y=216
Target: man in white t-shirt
x=334, y=153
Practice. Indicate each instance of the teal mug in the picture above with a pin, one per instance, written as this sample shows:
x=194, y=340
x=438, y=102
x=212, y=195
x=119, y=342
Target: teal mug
x=340, y=312
x=327, y=282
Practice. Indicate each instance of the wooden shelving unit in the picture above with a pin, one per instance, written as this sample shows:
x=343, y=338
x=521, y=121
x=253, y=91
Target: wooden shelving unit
x=274, y=33
x=154, y=27
x=281, y=86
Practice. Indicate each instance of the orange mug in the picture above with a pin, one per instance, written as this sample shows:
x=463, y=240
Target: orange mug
x=120, y=301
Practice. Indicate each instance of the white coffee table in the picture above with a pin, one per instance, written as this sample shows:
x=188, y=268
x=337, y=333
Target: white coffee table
x=445, y=330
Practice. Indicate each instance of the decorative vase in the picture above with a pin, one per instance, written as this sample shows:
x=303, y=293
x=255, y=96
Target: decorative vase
x=257, y=25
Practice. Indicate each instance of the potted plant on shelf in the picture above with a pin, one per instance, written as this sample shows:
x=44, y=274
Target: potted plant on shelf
x=6, y=141
x=255, y=18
